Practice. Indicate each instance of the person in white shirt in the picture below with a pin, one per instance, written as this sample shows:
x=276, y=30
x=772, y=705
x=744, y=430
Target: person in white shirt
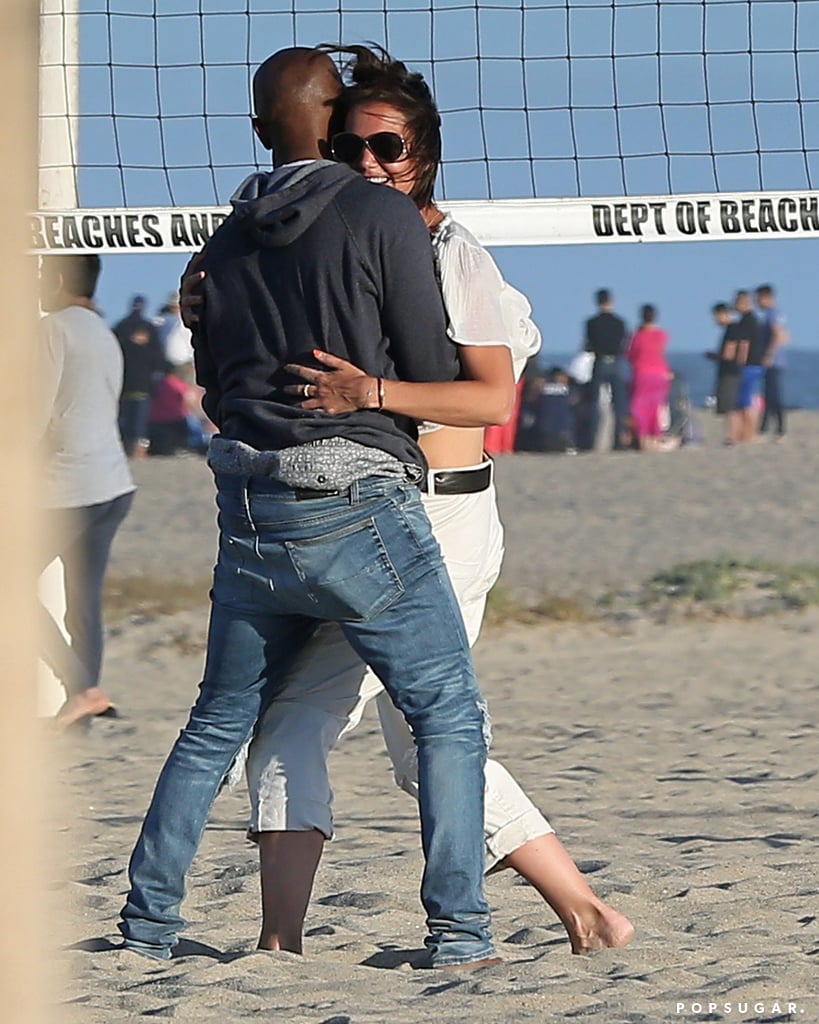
x=87, y=482
x=396, y=143
x=175, y=337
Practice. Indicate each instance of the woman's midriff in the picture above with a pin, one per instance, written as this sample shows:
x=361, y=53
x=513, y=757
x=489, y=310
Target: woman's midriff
x=452, y=447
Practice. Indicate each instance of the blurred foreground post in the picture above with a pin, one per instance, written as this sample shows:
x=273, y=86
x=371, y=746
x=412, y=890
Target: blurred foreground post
x=27, y=932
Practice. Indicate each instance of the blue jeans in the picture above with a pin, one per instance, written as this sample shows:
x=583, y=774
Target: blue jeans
x=82, y=540
x=609, y=370
x=367, y=560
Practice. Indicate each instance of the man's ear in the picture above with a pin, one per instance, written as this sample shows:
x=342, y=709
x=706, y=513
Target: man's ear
x=260, y=133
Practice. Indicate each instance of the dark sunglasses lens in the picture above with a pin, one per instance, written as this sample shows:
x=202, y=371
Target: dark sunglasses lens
x=386, y=146
x=346, y=147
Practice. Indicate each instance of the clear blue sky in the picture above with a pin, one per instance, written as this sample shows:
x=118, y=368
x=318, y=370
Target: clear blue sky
x=654, y=145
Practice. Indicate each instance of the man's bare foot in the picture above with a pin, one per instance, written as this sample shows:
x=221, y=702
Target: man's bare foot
x=85, y=704
x=602, y=928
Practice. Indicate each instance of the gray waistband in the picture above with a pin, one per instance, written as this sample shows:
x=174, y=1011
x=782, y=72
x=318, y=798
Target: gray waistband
x=331, y=464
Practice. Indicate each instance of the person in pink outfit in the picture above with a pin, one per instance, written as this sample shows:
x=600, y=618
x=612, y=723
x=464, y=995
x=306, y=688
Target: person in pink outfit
x=651, y=379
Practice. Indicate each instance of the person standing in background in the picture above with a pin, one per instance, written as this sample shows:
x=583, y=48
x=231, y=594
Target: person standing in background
x=728, y=372
x=774, y=338
x=88, y=485
x=750, y=353
x=606, y=340
x=651, y=378
x=141, y=348
x=175, y=338
x=176, y=388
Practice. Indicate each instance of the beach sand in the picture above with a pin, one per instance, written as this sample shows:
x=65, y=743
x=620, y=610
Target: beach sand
x=677, y=760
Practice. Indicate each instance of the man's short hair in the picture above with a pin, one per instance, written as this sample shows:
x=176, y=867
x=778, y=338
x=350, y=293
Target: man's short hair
x=765, y=289
x=602, y=296
x=79, y=271
x=720, y=307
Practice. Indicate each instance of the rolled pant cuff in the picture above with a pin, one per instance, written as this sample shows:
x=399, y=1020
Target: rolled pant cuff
x=510, y=837
x=302, y=816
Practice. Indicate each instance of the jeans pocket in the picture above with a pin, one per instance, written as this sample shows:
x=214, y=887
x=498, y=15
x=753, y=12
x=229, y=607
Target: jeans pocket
x=348, y=574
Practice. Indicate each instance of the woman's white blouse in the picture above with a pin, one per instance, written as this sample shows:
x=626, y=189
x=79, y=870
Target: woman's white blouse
x=483, y=309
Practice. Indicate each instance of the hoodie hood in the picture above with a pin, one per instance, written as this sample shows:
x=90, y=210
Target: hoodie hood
x=278, y=206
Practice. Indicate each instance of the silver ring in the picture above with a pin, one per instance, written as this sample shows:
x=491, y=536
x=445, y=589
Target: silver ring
x=305, y=390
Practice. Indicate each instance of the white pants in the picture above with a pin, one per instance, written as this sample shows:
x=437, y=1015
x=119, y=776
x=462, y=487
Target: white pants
x=328, y=687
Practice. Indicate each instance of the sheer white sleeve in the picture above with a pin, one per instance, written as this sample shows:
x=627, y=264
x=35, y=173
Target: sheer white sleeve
x=483, y=309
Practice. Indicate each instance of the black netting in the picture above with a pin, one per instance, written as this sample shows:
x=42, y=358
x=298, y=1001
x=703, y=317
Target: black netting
x=538, y=98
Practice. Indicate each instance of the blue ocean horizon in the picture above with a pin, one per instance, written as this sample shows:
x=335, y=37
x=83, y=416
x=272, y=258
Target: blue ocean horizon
x=800, y=383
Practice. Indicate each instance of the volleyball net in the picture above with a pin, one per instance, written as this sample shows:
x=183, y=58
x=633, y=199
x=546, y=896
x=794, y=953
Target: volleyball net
x=563, y=120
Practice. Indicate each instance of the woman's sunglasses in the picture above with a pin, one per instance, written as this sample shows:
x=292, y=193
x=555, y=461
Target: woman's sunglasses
x=386, y=147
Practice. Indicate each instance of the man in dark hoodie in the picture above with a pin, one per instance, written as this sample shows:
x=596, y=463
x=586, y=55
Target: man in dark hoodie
x=320, y=516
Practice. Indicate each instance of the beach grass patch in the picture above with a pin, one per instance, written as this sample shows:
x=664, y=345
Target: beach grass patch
x=150, y=596
x=186, y=642
x=555, y=608
x=703, y=581
x=797, y=587
x=731, y=586
x=502, y=608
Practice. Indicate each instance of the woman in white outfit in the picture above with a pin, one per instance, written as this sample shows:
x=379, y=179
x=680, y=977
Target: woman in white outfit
x=392, y=136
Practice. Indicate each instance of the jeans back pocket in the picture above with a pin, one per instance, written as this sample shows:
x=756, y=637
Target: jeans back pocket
x=347, y=574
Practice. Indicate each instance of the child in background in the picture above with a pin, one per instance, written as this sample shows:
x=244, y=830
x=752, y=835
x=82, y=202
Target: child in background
x=547, y=418
x=173, y=405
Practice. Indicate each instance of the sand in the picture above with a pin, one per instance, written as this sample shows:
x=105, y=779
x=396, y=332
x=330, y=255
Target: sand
x=677, y=761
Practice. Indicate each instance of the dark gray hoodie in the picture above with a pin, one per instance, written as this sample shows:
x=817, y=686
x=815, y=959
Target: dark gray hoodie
x=317, y=257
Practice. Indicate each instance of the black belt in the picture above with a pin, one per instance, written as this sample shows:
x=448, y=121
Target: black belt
x=439, y=481
x=309, y=493
x=459, y=481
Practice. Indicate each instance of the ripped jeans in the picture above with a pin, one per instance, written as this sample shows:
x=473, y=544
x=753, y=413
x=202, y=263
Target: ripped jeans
x=366, y=559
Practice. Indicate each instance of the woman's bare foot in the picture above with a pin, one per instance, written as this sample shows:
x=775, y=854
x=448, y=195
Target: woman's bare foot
x=589, y=922
x=601, y=927
x=85, y=704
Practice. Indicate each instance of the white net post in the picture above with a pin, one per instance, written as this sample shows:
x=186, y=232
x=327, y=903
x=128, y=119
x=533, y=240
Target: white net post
x=59, y=104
